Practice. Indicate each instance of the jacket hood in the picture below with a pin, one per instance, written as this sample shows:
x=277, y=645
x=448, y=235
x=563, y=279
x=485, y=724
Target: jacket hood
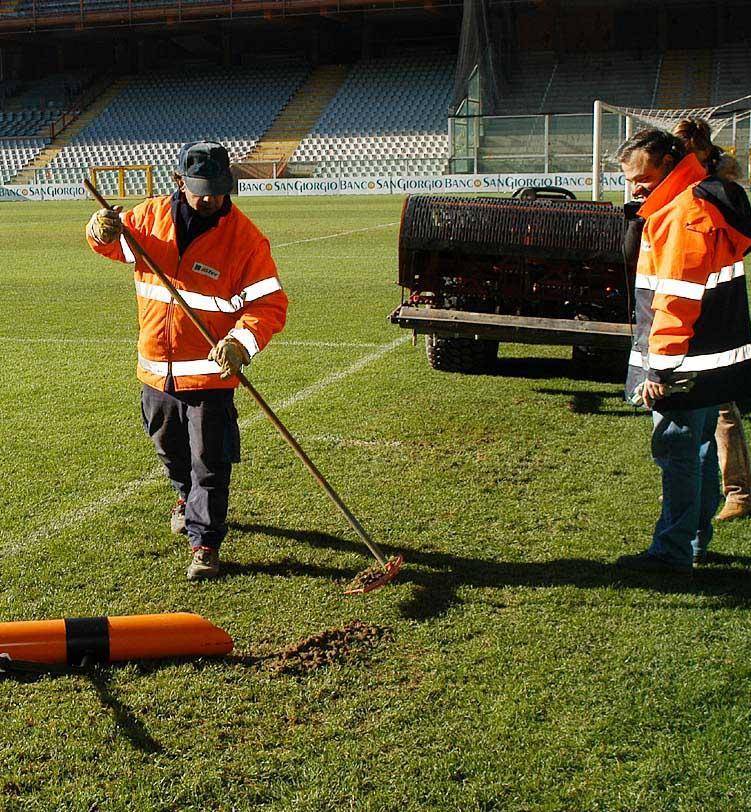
x=731, y=202
x=728, y=168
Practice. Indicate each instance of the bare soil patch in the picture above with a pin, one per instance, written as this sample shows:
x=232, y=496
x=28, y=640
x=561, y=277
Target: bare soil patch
x=330, y=646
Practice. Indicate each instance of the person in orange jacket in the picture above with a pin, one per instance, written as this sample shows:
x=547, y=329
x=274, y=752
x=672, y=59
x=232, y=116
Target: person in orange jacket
x=222, y=265
x=732, y=448
x=692, y=338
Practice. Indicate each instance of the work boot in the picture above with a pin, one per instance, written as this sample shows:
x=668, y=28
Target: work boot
x=733, y=510
x=177, y=520
x=205, y=564
x=644, y=562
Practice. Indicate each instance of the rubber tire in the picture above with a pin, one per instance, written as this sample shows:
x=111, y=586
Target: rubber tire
x=468, y=355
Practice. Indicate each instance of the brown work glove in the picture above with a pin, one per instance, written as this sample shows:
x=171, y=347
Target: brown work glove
x=230, y=354
x=105, y=226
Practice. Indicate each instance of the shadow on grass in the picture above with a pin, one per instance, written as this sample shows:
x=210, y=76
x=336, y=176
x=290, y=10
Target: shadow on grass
x=585, y=402
x=286, y=567
x=546, y=368
x=127, y=722
x=438, y=576
x=100, y=677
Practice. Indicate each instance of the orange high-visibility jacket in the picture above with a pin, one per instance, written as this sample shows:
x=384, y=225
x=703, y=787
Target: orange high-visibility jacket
x=227, y=275
x=691, y=303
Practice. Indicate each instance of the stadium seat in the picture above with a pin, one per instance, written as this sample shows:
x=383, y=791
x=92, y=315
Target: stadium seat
x=146, y=123
x=386, y=109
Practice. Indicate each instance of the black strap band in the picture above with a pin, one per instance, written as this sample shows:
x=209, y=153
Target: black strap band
x=87, y=638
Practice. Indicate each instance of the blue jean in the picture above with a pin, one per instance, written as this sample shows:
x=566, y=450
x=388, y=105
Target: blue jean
x=684, y=446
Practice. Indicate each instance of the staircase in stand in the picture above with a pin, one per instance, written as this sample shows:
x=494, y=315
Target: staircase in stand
x=685, y=80
x=293, y=123
x=29, y=173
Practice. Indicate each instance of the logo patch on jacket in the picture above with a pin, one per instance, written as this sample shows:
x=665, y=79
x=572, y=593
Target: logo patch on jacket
x=206, y=270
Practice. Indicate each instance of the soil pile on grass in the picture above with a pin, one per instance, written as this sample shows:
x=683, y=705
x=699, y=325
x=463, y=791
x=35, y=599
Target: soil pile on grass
x=327, y=647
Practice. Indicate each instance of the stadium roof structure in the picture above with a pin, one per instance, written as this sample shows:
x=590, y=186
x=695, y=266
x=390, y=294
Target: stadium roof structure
x=89, y=14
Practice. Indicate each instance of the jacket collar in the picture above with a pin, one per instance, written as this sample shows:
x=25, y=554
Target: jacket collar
x=688, y=171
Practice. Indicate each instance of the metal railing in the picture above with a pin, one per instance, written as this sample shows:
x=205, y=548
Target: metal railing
x=551, y=142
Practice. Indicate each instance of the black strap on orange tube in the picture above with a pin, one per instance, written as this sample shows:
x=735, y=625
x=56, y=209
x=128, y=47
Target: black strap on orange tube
x=87, y=638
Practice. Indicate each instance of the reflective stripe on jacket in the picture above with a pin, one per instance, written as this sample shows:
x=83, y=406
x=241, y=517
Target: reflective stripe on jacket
x=227, y=275
x=691, y=303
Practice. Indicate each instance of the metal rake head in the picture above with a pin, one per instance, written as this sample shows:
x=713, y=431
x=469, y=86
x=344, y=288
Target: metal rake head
x=375, y=577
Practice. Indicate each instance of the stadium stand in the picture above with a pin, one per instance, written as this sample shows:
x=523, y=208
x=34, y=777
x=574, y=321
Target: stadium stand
x=625, y=78
x=565, y=86
x=685, y=79
x=54, y=92
x=16, y=153
x=732, y=75
x=25, y=122
x=389, y=116
x=28, y=108
x=149, y=120
x=8, y=87
x=540, y=82
x=528, y=82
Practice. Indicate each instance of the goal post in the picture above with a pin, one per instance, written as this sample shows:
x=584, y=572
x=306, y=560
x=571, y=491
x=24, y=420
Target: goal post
x=735, y=115
x=122, y=185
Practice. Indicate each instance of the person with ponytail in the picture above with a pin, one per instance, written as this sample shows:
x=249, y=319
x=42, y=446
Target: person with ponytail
x=732, y=448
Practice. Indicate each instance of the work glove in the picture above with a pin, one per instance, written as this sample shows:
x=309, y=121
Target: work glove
x=680, y=384
x=105, y=225
x=230, y=354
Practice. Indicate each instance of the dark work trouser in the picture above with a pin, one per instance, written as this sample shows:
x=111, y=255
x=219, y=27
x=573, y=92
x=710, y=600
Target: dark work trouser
x=197, y=439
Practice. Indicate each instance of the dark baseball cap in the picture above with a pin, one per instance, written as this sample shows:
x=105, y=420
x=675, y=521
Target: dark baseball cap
x=204, y=166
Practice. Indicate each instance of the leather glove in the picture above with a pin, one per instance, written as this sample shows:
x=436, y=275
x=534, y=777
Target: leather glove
x=230, y=354
x=105, y=226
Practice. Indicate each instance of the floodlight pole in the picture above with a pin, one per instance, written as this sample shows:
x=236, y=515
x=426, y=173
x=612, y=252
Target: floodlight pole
x=596, y=149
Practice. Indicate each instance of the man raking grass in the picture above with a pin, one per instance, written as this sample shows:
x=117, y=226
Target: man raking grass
x=224, y=268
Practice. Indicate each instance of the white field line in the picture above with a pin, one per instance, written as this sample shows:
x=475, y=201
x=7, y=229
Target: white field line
x=278, y=342
x=278, y=245
x=332, y=378
x=349, y=442
x=129, y=490
x=60, y=340
x=313, y=343
x=56, y=340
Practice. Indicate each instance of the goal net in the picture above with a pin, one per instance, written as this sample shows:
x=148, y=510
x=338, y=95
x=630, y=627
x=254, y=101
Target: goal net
x=131, y=180
x=730, y=123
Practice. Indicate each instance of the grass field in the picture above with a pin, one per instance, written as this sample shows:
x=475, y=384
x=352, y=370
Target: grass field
x=516, y=669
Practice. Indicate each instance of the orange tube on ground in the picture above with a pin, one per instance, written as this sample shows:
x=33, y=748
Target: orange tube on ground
x=36, y=641
x=112, y=639
x=146, y=637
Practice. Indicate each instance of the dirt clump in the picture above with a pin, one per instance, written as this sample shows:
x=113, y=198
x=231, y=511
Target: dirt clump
x=327, y=647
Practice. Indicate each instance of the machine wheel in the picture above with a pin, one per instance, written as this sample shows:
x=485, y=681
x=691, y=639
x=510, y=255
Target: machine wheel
x=469, y=355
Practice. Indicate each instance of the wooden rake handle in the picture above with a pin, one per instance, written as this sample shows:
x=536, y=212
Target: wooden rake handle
x=265, y=408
